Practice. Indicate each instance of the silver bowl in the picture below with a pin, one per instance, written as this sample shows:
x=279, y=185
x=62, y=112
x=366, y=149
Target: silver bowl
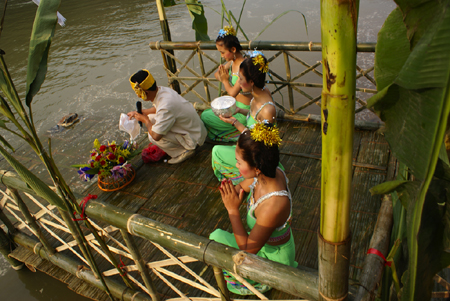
x=224, y=105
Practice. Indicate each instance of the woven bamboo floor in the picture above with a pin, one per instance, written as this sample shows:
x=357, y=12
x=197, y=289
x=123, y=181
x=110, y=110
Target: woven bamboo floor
x=186, y=196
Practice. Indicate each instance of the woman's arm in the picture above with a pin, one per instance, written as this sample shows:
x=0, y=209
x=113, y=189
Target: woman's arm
x=217, y=73
x=233, y=121
x=265, y=225
x=268, y=113
x=224, y=76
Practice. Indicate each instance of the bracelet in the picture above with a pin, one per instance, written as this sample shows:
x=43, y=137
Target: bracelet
x=234, y=122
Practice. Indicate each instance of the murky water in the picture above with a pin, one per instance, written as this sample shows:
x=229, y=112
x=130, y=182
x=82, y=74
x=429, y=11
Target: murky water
x=103, y=42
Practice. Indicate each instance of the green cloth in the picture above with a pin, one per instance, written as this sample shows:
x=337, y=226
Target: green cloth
x=284, y=254
x=222, y=131
x=223, y=159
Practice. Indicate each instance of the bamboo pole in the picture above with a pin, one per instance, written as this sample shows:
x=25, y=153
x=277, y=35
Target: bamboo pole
x=202, y=68
x=221, y=283
x=288, y=81
x=6, y=247
x=31, y=221
x=373, y=264
x=70, y=265
x=261, y=45
x=166, y=36
x=142, y=268
x=339, y=21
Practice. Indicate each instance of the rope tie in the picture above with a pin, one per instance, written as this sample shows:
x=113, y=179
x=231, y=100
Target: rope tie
x=83, y=207
x=35, y=246
x=310, y=45
x=135, y=294
x=122, y=266
x=238, y=259
x=158, y=45
x=250, y=45
x=379, y=254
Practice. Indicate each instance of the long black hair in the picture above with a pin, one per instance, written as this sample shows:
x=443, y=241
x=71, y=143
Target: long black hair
x=229, y=41
x=259, y=155
x=252, y=72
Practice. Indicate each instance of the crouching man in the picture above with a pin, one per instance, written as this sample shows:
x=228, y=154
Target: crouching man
x=172, y=123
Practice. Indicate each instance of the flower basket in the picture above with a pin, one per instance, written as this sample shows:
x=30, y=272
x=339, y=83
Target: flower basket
x=111, y=184
x=110, y=162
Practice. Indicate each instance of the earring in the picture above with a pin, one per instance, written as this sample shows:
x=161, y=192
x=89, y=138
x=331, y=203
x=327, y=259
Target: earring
x=234, y=54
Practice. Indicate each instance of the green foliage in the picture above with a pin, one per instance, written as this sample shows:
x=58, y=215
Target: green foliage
x=168, y=3
x=199, y=22
x=414, y=103
x=41, y=39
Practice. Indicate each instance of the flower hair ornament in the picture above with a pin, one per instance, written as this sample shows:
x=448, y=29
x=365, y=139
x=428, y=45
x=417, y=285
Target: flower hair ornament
x=227, y=30
x=263, y=131
x=258, y=60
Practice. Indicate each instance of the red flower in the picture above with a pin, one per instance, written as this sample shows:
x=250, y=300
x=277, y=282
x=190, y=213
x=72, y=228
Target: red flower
x=98, y=158
x=92, y=164
x=93, y=154
x=111, y=156
x=113, y=147
x=121, y=160
x=99, y=172
x=102, y=148
x=103, y=162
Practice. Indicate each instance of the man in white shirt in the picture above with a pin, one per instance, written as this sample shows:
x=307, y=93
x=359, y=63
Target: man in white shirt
x=172, y=123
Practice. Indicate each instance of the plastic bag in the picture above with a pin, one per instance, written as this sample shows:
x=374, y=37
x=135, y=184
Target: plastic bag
x=152, y=154
x=130, y=126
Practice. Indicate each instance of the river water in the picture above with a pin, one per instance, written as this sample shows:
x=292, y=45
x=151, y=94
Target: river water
x=104, y=42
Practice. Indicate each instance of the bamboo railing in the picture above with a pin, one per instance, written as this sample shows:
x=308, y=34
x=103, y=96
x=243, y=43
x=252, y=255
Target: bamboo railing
x=190, y=77
x=301, y=281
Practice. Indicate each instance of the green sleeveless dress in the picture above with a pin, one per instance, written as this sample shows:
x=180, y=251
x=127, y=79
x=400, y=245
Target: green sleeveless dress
x=219, y=130
x=284, y=253
x=223, y=157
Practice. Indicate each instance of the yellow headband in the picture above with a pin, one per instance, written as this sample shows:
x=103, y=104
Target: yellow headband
x=140, y=88
x=267, y=134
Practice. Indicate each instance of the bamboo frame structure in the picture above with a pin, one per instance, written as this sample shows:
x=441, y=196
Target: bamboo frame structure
x=283, y=49
x=299, y=281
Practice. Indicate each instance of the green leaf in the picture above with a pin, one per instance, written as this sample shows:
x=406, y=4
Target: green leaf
x=392, y=49
x=93, y=171
x=199, y=22
x=387, y=187
x=34, y=182
x=169, y=3
x=8, y=89
x=79, y=165
x=430, y=244
x=5, y=143
x=41, y=38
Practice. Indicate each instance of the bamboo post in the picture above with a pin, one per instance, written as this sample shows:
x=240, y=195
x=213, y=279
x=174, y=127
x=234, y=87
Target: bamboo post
x=339, y=21
x=288, y=79
x=166, y=36
x=221, y=283
x=202, y=68
x=142, y=268
x=6, y=246
x=31, y=221
x=373, y=264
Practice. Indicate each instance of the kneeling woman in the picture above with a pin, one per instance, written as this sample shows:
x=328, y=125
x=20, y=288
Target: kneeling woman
x=269, y=204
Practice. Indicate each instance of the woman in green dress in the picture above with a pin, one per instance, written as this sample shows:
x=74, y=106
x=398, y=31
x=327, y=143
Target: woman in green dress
x=269, y=204
x=252, y=78
x=230, y=49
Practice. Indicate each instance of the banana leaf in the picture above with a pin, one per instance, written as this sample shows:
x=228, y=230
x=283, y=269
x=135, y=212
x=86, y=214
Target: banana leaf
x=199, y=22
x=169, y=3
x=41, y=38
x=415, y=108
x=34, y=182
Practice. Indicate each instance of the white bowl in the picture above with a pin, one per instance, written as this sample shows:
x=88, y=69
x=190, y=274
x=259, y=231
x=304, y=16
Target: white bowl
x=224, y=105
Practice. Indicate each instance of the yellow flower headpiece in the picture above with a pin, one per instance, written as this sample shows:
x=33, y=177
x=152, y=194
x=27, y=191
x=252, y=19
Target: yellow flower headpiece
x=258, y=60
x=140, y=88
x=227, y=30
x=270, y=135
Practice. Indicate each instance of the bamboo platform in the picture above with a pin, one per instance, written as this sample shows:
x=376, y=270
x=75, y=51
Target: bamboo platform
x=186, y=196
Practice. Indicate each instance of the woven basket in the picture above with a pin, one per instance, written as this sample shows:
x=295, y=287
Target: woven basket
x=109, y=184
